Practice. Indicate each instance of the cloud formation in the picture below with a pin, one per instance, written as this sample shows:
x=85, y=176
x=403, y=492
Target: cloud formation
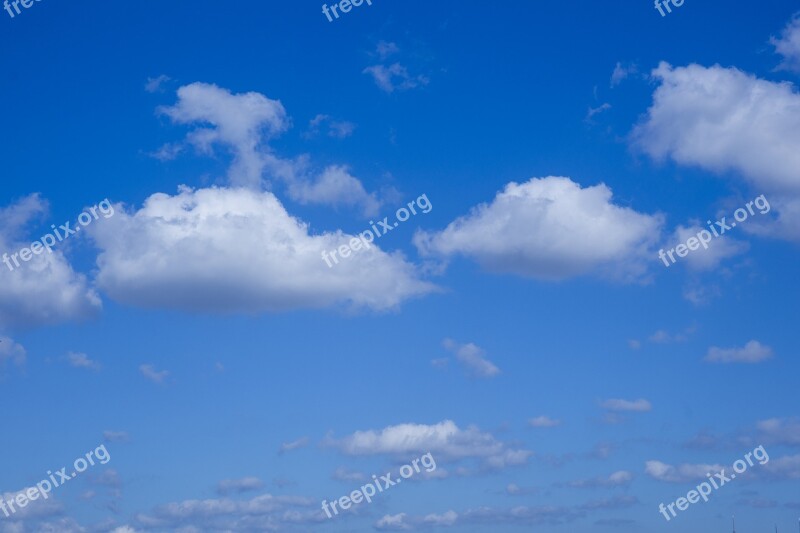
x=445, y=440
x=472, y=358
x=722, y=119
x=752, y=352
x=44, y=290
x=551, y=229
x=238, y=250
x=244, y=124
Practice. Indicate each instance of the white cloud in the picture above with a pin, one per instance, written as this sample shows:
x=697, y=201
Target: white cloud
x=42, y=507
x=123, y=529
x=149, y=372
x=238, y=250
x=266, y=510
x=752, y=352
x=683, y=473
x=782, y=431
x=473, y=359
x=393, y=523
x=662, y=336
x=788, y=45
x=543, y=422
x=487, y=516
x=705, y=259
x=596, y=111
x=153, y=85
x=238, y=486
x=240, y=121
x=11, y=351
x=620, y=478
x=636, y=406
x=294, y=445
x=445, y=441
x=45, y=289
x=722, y=119
x=244, y=123
x=394, y=77
x=116, y=436
x=787, y=467
x=552, y=229
x=385, y=49
x=81, y=360
x=621, y=72
x=335, y=186
x=338, y=129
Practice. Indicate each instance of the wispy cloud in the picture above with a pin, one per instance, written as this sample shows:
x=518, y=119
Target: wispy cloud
x=472, y=358
x=630, y=406
x=239, y=486
x=543, y=422
x=81, y=360
x=150, y=373
x=294, y=445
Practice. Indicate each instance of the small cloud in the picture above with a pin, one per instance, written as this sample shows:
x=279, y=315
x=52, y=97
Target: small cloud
x=700, y=295
x=168, y=152
x=788, y=45
x=116, y=436
x=109, y=478
x=149, y=372
x=621, y=72
x=336, y=129
x=512, y=489
x=81, y=360
x=153, y=85
x=473, y=358
x=239, y=486
x=295, y=445
x=663, y=336
x=684, y=473
x=440, y=363
x=636, y=406
x=543, y=422
x=596, y=110
x=394, y=77
x=752, y=352
x=620, y=478
x=11, y=351
x=633, y=344
x=385, y=49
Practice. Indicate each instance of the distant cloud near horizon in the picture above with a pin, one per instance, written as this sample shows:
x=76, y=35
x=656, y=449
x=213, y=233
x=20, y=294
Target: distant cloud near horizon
x=239, y=486
x=543, y=422
x=622, y=406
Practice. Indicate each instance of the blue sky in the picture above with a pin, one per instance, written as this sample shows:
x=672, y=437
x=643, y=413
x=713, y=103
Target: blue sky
x=523, y=331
